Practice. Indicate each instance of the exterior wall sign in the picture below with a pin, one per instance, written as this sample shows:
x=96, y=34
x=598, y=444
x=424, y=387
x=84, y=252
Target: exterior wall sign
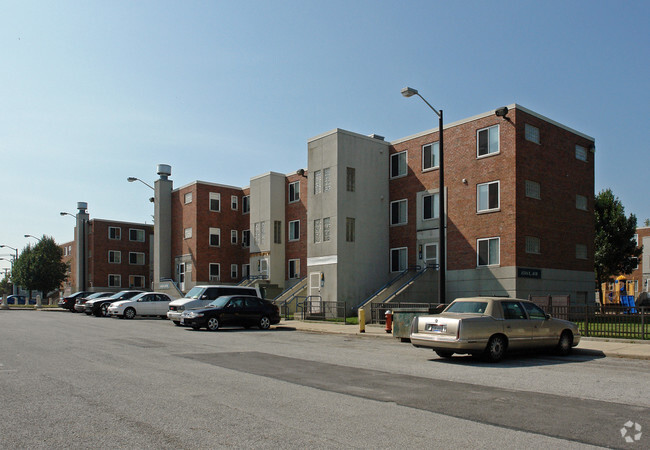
x=523, y=272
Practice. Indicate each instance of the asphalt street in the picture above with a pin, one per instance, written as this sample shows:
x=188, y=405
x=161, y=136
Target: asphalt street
x=70, y=380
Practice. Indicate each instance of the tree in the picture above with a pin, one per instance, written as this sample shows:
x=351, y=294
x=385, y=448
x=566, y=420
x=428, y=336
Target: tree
x=6, y=287
x=646, y=223
x=616, y=250
x=41, y=268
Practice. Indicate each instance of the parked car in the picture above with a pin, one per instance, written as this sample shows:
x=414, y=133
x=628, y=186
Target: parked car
x=490, y=326
x=69, y=301
x=146, y=304
x=79, y=305
x=99, y=306
x=245, y=311
x=201, y=296
x=16, y=300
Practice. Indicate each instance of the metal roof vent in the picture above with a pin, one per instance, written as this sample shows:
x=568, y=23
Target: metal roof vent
x=164, y=170
x=376, y=136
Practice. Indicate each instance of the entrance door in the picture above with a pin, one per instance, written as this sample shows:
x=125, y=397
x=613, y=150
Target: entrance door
x=181, y=276
x=314, y=292
x=264, y=268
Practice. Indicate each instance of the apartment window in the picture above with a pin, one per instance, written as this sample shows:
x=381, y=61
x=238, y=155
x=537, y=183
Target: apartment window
x=317, y=231
x=581, y=153
x=318, y=182
x=136, y=258
x=114, y=256
x=294, y=191
x=246, y=204
x=398, y=210
x=294, y=230
x=114, y=280
x=215, y=201
x=431, y=253
x=430, y=156
x=114, y=233
x=398, y=167
x=581, y=251
x=214, y=272
x=488, y=251
x=277, y=232
x=487, y=196
x=187, y=198
x=326, y=180
x=533, y=189
x=351, y=179
x=233, y=271
x=487, y=141
x=234, y=202
x=187, y=233
x=246, y=238
x=398, y=259
x=326, y=229
x=294, y=268
x=233, y=237
x=430, y=206
x=581, y=202
x=532, y=245
x=136, y=235
x=257, y=235
x=215, y=237
x=136, y=281
x=531, y=133
x=349, y=229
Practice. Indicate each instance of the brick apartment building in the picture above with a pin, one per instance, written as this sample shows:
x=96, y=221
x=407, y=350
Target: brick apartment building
x=519, y=196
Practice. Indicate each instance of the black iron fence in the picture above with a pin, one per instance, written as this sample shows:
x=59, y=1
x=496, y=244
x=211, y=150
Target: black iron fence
x=613, y=321
x=314, y=308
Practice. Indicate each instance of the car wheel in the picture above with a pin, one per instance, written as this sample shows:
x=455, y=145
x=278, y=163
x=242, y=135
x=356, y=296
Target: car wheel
x=265, y=323
x=105, y=310
x=129, y=313
x=496, y=348
x=213, y=324
x=177, y=323
x=444, y=353
x=565, y=344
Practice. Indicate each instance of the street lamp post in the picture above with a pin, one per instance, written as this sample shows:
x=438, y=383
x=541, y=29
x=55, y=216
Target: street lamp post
x=12, y=265
x=81, y=241
x=30, y=236
x=409, y=92
x=132, y=179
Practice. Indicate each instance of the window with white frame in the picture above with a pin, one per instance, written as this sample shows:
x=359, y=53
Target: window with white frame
x=246, y=238
x=187, y=233
x=294, y=191
x=351, y=179
x=187, y=198
x=430, y=206
x=488, y=251
x=317, y=231
x=233, y=237
x=581, y=153
x=326, y=229
x=136, y=258
x=277, y=232
x=398, y=166
x=234, y=202
x=114, y=233
x=114, y=256
x=487, y=141
x=215, y=201
x=136, y=281
x=533, y=189
x=294, y=268
x=294, y=230
x=136, y=235
x=430, y=253
x=487, y=196
x=114, y=280
x=215, y=237
x=532, y=245
x=326, y=180
x=398, y=259
x=531, y=133
x=214, y=271
x=581, y=251
x=398, y=212
x=234, y=271
x=349, y=229
x=430, y=156
x=246, y=204
x=581, y=202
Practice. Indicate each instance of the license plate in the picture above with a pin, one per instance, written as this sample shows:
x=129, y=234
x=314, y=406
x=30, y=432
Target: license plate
x=182, y=321
x=436, y=328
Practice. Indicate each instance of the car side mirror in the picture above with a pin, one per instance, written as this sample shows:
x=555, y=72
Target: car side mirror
x=547, y=316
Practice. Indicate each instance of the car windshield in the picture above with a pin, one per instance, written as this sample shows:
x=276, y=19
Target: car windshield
x=95, y=295
x=467, y=307
x=195, y=292
x=137, y=297
x=220, y=302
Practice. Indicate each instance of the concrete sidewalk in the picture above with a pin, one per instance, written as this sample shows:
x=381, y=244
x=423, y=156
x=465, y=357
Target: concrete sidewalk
x=613, y=348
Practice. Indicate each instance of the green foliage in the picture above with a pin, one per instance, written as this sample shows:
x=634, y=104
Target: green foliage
x=40, y=268
x=6, y=287
x=616, y=250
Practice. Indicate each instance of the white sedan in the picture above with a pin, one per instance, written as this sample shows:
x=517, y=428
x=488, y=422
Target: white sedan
x=145, y=304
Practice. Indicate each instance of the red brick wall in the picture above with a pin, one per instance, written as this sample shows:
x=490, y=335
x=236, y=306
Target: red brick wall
x=296, y=211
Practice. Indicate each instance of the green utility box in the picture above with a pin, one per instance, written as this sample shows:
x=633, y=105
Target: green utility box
x=402, y=318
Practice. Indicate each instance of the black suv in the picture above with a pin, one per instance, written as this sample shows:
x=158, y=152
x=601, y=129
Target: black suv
x=99, y=306
x=69, y=301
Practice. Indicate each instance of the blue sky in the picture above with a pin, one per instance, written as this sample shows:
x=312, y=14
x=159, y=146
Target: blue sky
x=94, y=92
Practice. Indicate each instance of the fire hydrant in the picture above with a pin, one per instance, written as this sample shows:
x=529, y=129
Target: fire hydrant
x=389, y=321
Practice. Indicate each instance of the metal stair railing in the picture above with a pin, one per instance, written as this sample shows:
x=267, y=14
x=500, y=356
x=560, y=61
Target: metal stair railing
x=384, y=287
x=409, y=282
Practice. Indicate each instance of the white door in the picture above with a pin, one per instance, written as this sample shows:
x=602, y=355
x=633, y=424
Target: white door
x=314, y=292
x=264, y=268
